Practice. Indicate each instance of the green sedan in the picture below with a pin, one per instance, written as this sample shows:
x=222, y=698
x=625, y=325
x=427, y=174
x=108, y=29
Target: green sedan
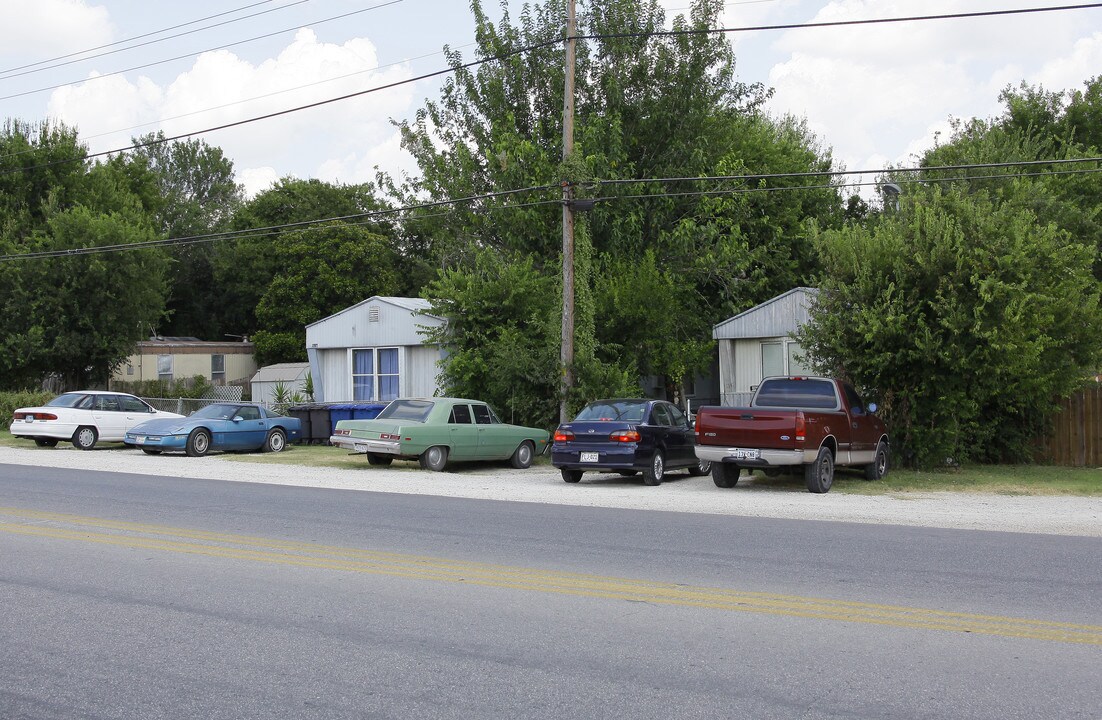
x=437, y=431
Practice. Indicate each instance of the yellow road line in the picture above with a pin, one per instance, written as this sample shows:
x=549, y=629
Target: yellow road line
x=63, y=526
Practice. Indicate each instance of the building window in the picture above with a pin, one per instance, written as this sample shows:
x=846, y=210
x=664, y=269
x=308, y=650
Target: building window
x=375, y=374
x=772, y=359
x=164, y=368
x=129, y=368
x=783, y=358
x=218, y=369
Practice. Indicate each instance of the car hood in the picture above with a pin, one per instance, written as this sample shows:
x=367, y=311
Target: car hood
x=165, y=426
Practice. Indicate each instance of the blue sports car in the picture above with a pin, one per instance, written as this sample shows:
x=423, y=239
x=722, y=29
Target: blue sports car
x=628, y=436
x=222, y=426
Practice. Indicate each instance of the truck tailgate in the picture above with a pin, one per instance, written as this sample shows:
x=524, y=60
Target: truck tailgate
x=748, y=427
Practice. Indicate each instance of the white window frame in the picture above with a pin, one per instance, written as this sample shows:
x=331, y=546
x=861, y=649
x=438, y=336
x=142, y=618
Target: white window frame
x=375, y=373
x=218, y=377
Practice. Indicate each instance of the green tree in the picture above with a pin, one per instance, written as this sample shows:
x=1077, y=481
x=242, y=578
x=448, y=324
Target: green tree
x=195, y=194
x=76, y=315
x=326, y=268
x=648, y=105
x=245, y=269
x=966, y=314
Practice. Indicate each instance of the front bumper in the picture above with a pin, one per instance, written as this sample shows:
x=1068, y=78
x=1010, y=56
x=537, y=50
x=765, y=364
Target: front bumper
x=157, y=442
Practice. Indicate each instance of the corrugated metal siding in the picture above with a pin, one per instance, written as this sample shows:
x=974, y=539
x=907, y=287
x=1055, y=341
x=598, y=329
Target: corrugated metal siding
x=337, y=373
x=777, y=317
x=354, y=328
x=419, y=376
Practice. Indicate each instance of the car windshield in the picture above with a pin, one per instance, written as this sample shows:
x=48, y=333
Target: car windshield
x=416, y=410
x=629, y=410
x=71, y=400
x=216, y=412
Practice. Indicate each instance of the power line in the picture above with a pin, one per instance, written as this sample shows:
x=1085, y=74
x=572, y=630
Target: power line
x=192, y=54
x=538, y=46
x=278, y=230
x=11, y=73
x=288, y=111
x=842, y=23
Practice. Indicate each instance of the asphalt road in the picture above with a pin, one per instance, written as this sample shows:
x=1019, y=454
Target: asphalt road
x=130, y=596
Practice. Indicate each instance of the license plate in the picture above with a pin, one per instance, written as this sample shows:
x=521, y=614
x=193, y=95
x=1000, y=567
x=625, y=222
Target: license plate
x=745, y=454
x=139, y=440
x=361, y=448
x=588, y=457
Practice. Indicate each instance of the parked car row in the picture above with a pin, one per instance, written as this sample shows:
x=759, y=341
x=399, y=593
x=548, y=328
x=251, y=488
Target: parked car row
x=87, y=417
x=811, y=424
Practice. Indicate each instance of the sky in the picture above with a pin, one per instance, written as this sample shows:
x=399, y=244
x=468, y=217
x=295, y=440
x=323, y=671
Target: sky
x=876, y=95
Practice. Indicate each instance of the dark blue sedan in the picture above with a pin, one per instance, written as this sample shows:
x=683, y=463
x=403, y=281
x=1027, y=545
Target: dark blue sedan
x=627, y=436
x=222, y=426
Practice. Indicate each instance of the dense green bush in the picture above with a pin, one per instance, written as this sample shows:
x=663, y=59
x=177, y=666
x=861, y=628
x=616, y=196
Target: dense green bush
x=9, y=401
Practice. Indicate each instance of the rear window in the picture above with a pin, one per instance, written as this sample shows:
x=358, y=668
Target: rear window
x=417, y=410
x=791, y=393
x=72, y=400
x=628, y=410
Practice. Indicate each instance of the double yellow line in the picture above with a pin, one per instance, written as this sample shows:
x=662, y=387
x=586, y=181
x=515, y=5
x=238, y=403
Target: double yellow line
x=256, y=549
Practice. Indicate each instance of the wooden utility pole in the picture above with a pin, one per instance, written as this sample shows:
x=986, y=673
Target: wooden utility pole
x=567, y=356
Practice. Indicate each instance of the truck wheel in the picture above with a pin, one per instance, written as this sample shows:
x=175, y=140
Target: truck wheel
x=820, y=474
x=725, y=475
x=878, y=468
x=652, y=475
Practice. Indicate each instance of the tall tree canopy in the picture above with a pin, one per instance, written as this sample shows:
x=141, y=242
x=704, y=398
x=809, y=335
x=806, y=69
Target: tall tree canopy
x=659, y=260
x=75, y=316
x=973, y=306
x=295, y=271
x=195, y=195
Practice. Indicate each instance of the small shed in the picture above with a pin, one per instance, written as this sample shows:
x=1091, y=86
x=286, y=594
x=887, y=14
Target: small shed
x=759, y=342
x=269, y=378
x=375, y=351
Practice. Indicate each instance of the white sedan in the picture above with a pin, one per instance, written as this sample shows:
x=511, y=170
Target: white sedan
x=84, y=418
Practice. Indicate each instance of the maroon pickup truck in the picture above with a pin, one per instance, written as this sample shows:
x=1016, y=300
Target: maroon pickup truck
x=812, y=422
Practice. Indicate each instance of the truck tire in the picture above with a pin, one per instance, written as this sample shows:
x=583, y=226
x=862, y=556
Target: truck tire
x=725, y=475
x=878, y=468
x=820, y=474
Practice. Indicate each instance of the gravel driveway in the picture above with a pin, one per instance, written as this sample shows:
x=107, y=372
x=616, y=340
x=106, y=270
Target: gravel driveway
x=680, y=493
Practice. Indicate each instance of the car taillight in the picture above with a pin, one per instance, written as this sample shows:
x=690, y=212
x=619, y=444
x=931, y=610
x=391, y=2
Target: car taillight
x=388, y=436
x=35, y=416
x=801, y=426
x=625, y=436
x=563, y=436
x=340, y=431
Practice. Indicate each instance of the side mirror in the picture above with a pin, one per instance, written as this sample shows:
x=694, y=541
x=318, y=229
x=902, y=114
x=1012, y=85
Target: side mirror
x=872, y=407
x=237, y=418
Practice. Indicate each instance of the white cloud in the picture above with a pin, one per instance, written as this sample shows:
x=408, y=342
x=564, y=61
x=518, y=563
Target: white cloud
x=881, y=92
x=257, y=180
x=297, y=143
x=46, y=28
